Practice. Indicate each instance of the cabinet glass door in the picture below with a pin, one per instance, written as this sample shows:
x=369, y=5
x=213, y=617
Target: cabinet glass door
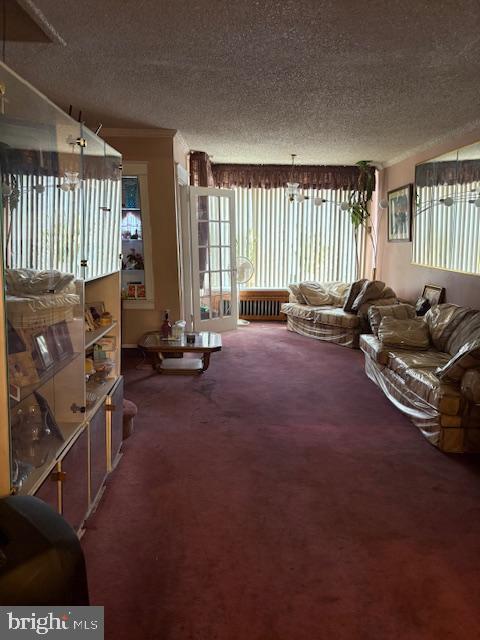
x=40, y=164
x=101, y=203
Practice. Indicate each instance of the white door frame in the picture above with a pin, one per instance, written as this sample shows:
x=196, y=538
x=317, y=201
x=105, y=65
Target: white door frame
x=221, y=323
x=183, y=244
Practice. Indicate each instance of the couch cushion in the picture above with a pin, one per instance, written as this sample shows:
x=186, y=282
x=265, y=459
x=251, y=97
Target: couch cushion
x=466, y=330
x=377, y=312
x=323, y=293
x=372, y=346
x=400, y=360
x=446, y=397
x=371, y=290
x=297, y=310
x=352, y=294
x=336, y=317
x=297, y=294
x=467, y=358
x=442, y=320
x=388, y=292
x=409, y=334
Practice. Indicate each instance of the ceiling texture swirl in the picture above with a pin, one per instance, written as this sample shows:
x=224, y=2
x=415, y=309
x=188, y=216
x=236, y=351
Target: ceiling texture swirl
x=253, y=81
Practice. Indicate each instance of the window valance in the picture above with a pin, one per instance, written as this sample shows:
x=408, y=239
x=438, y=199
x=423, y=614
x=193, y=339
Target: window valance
x=451, y=172
x=274, y=176
x=271, y=176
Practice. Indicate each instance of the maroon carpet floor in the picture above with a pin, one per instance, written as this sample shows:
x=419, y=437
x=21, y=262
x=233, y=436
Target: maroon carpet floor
x=280, y=496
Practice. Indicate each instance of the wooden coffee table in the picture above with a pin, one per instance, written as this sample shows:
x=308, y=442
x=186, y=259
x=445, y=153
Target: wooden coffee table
x=167, y=355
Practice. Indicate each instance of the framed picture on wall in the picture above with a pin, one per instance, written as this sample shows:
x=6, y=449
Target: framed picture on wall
x=400, y=214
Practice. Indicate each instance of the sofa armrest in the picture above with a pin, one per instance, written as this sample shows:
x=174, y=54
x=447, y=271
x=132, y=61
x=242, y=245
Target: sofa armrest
x=470, y=385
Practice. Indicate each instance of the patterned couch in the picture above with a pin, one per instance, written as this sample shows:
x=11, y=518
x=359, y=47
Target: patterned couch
x=437, y=386
x=334, y=311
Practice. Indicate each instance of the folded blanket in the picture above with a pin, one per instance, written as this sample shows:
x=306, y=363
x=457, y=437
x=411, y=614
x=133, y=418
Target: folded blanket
x=29, y=282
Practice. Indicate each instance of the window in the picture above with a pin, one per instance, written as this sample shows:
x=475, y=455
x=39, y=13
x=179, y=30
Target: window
x=137, y=274
x=447, y=236
x=290, y=242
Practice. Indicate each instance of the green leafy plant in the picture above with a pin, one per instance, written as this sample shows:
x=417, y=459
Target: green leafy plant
x=362, y=194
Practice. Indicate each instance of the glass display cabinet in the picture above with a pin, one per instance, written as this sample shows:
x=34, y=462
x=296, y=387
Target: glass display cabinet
x=61, y=216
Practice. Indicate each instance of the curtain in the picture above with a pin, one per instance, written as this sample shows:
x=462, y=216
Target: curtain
x=200, y=170
x=276, y=176
x=271, y=176
x=201, y=176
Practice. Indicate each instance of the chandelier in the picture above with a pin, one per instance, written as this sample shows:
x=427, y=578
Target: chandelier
x=295, y=195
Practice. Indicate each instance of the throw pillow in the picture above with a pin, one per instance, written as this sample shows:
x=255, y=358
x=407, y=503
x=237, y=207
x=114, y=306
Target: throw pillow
x=404, y=334
x=337, y=291
x=376, y=314
x=371, y=290
x=388, y=292
x=315, y=293
x=422, y=305
x=352, y=294
x=295, y=289
x=467, y=358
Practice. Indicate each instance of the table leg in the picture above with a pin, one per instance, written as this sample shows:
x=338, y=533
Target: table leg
x=157, y=362
x=206, y=361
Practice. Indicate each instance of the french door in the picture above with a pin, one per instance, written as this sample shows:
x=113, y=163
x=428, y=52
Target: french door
x=213, y=259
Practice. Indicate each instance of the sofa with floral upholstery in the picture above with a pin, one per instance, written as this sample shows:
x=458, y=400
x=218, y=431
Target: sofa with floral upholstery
x=334, y=311
x=430, y=369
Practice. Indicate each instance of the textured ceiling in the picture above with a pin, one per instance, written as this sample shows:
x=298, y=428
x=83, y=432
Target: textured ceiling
x=334, y=81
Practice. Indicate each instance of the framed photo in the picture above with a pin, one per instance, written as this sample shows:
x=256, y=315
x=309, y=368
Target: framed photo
x=43, y=357
x=434, y=293
x=96, y=309
x=89, y=321
x=60, y=340
x=93, y=313
x=400, y=214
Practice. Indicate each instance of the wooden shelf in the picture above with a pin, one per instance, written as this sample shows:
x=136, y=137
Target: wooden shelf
x=91, y=337
x=43, y=379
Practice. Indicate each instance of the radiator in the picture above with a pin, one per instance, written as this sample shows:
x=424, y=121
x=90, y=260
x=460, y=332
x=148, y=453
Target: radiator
x=260, y=305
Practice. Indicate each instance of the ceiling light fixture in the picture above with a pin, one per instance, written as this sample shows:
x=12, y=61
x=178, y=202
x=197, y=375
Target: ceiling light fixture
x=71, y=181
x=293, y=194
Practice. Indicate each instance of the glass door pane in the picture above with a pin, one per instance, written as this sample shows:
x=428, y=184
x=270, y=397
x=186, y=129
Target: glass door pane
x=214, y=249
x=101, y=192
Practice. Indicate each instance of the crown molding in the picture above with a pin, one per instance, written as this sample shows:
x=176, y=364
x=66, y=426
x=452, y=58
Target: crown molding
x=125, y=132
x=41, y=20
x=435, y=142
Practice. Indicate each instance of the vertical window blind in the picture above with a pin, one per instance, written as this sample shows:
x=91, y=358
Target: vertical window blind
x=447, y=237
x=57, y=229
x=290, y=242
